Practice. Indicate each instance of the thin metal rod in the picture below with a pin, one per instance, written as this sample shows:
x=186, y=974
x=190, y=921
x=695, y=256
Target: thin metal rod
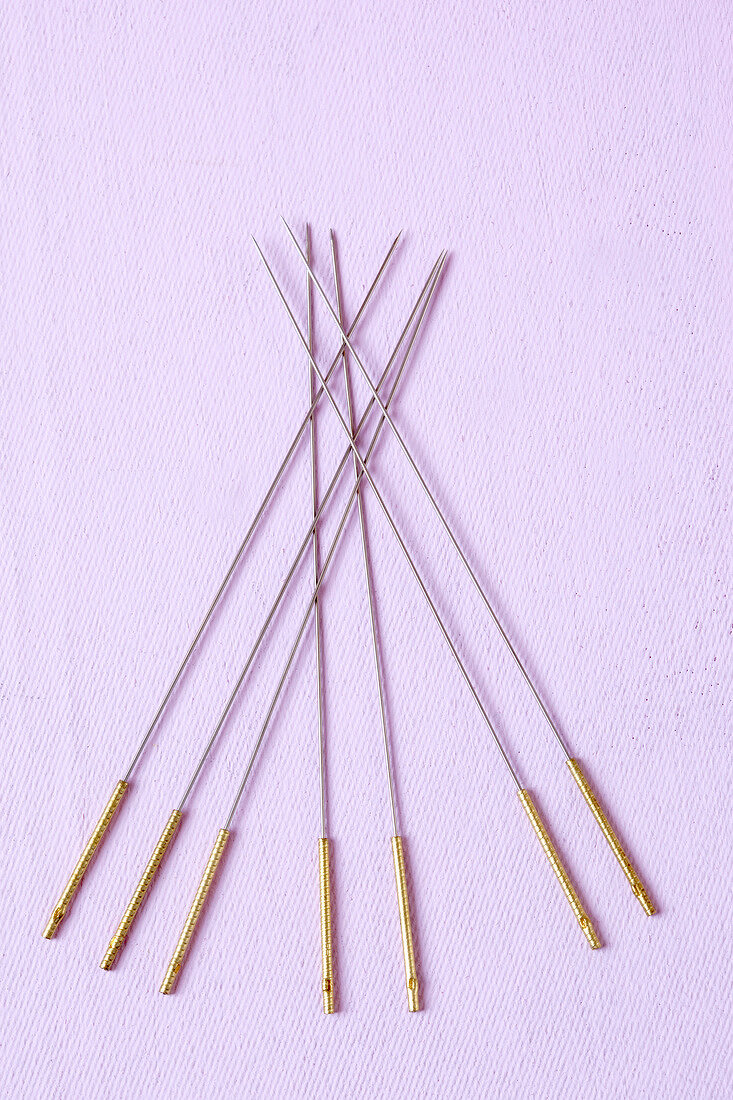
x=314, y=495
x=429, y=287
x=329, y=556
x=260, y=512
x=365, y=549
x=392, y=524
x=438, y=512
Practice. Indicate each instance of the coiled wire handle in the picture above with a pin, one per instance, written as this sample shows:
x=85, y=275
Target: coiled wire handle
x=62, y=905
x=614, y=843
x=128, y=917
x=408, y=950
x=174, y=966
x=561, y=874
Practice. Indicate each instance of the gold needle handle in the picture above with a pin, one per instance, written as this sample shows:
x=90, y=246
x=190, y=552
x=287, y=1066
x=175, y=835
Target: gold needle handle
x=324, y=876
x=174, y=967
x=562, y=876
x=62, y=906
x=615, y=844
x=117, y=942
x=408, y=951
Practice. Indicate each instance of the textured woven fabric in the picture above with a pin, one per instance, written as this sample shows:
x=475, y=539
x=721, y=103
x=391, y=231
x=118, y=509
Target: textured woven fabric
x=570, y=405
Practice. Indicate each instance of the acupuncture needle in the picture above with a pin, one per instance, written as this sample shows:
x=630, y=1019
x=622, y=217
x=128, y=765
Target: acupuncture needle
x=524, y=795
x=328, y=990
x=181, y=949
x=173, y=822
x=588, y=794
x=67, y=896
x=398, y=856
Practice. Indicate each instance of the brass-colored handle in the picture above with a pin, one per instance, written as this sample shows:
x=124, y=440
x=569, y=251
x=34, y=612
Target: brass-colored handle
x=615, y=844
x=324, y=877
x=174, y=967
x=62, y=906
x=562, y=876
x=117, y=942
x=408, y=951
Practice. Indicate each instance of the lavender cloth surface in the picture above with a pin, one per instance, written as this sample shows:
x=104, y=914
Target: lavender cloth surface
x=570, y=404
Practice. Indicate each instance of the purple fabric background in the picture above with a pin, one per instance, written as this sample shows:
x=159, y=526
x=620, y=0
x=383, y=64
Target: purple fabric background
x=570, y=405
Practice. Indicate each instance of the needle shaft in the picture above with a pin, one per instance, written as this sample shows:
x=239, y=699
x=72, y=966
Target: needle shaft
x=438, y=512
x=393, y=526
x=314, y=495
x=253, y=526
x=365, y=548
x=429, y=288
x=329, y=557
